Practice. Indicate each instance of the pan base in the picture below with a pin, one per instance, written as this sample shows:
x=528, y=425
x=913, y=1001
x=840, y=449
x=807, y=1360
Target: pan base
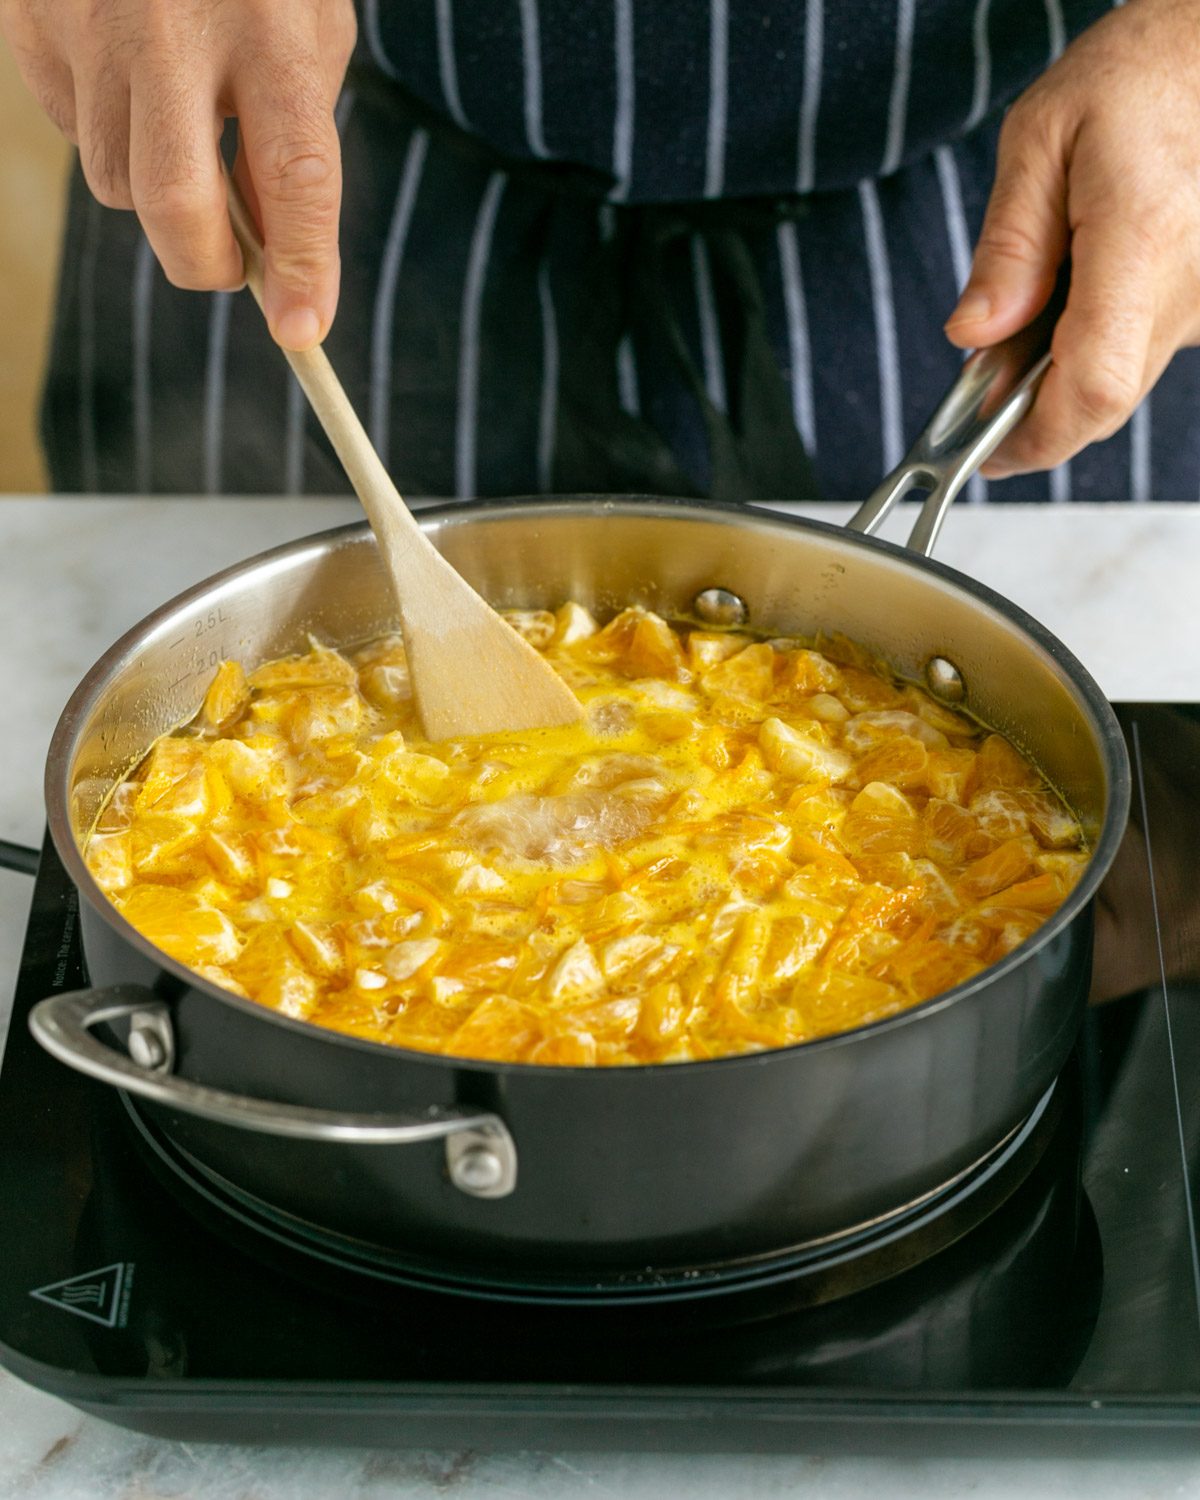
x=803, y=1275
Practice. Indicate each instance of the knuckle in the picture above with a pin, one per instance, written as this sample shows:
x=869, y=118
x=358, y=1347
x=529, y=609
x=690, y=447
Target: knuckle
x=1104, y=393
x=298, y=266
x=156, y=31
x=291, y=166
x=1008, y=239
x=175, y=203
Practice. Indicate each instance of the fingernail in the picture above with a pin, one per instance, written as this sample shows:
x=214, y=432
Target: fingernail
x=299, y=328
x=975, y=307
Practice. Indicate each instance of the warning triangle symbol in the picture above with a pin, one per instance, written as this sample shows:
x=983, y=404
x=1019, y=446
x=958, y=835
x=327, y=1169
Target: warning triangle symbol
x=95, y=1295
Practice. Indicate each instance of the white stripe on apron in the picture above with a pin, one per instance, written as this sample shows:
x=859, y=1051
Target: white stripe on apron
x=531, y=54
x=143, y=288
x=447, y=66
x=89, y=476
x=468, y=358
x=901, y=75
x=1139, y=453
x=382, y=320
x=890, y=411
x=625, y=101
x=983, y=66
x=214, y=389
x=810, y=102
x=710, y=331
x=375, y=38
x=799, y=350
x=718, y=96
x=1060, y=484
x=1057, y=29
x=548, y=407
x=960, y=258
x=293, y=442
x=627, y=376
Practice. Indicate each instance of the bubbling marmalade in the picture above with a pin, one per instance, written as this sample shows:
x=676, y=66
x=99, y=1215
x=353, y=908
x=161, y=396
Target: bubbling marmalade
x=745, y=844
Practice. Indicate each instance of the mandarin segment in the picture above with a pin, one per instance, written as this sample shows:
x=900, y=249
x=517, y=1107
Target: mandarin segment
x=998, y=764
x=227, y=695
x=749, y=674
x=182, y=925
x=1004, y=866
x=903, y=761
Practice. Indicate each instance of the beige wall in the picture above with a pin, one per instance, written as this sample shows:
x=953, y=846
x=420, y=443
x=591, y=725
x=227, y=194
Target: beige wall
x=33, y=168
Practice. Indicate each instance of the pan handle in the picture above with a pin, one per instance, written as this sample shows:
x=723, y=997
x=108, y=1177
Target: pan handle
x=994, y=390
x=481, y=1157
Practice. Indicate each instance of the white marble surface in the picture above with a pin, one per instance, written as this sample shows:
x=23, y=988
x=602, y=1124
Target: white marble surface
x=1118, y=584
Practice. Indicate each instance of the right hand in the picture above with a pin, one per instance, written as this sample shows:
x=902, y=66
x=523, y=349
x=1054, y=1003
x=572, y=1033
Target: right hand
x=143, y=87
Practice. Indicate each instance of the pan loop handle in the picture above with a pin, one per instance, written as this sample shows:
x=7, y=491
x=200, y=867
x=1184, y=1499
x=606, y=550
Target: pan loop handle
x=481, y=1156
x=994, y=390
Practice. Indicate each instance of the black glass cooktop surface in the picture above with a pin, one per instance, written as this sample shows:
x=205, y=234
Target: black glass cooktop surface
x=1052, y=1299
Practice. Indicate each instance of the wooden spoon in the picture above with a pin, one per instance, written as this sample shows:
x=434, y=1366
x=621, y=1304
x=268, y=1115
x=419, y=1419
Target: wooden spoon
x=471, y=672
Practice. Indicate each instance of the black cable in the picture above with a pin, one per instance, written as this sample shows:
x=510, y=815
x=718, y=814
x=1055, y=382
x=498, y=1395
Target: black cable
x=18, y=857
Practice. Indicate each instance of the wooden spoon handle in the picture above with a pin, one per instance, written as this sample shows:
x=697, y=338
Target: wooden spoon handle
x=471, y=672
x=389, y=516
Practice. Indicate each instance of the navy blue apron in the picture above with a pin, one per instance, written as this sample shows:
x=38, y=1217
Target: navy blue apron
x=608, y=245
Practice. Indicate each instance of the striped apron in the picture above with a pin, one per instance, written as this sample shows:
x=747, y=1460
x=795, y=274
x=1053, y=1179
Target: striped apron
x=703, y=247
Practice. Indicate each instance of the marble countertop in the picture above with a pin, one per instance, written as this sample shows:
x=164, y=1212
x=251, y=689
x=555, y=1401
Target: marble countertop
x=1118, y=584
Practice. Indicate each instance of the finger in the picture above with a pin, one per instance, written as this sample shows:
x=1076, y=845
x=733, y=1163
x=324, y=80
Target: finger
x=337, y=34
x=1024, y=236
x=177, y=184
x=102, y=121
x=294, y=160
x=52, y=84
x=1106, y=351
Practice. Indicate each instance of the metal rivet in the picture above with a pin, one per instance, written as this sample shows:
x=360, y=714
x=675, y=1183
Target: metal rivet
x=146, y=1048
x=720, y=607
x=477, y=1169
x=945, y=680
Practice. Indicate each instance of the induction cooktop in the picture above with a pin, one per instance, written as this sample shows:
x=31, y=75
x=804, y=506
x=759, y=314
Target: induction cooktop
x=1050, y=1301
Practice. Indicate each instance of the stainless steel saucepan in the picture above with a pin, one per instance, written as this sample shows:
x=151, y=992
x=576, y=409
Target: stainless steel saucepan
x=517, y=1177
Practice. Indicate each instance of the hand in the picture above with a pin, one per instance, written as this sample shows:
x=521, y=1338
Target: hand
x=1099, y=160
x=143, y=87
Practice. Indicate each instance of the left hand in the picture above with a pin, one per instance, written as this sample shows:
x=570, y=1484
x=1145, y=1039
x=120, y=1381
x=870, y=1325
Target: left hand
x=1099, y=160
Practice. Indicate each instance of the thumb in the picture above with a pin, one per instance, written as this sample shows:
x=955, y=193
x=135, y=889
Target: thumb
x=1024, y=236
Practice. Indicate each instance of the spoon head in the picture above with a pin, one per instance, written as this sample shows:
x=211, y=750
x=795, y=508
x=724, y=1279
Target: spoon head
x=472, y=674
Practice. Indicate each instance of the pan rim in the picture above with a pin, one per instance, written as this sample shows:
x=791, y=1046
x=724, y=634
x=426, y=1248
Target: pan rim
x=447, y=516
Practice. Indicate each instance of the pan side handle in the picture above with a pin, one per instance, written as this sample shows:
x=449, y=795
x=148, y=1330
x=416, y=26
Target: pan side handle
x=481, y=1156
x=994, y=390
